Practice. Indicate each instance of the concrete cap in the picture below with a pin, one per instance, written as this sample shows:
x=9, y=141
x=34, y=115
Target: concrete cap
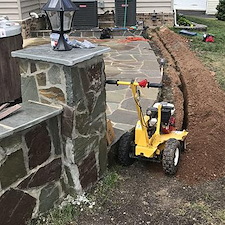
x=30, y=114
x=68, y=58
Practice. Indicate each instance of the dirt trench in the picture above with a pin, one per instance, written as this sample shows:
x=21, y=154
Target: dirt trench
x=142, y=193
x=199, y=106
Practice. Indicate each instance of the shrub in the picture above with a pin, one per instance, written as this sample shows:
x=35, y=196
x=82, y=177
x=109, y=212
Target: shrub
x=221, y=10
x=182, y=21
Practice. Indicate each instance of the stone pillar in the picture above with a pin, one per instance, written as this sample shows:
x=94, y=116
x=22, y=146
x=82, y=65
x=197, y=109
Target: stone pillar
x=74, y=79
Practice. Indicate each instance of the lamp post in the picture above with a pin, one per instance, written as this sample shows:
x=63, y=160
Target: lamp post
x=60, y=14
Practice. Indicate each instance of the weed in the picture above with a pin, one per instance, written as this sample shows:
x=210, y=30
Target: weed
x=200, y=207
x=103, y=188
x=201, y=210
x=182, y=21
x=71, y=207
x=58, y=216
x=220, y=214
x=208, y=197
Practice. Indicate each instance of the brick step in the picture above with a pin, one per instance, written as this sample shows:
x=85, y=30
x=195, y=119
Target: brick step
x=93, y=33
x=104, y=24
x=106, y=17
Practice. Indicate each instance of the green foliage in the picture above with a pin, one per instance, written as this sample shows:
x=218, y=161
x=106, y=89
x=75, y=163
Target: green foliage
x=104, y=187
x=183, y=21
x=221, y=10
x=212, y=54
x=58, y=216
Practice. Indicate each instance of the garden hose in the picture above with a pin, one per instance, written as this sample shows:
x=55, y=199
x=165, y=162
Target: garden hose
x=125, y=14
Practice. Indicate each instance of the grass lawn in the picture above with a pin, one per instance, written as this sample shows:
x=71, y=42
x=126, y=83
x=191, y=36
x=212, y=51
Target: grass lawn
x=212, y=54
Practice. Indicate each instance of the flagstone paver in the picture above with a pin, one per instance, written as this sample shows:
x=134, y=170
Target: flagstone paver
x=129, y=61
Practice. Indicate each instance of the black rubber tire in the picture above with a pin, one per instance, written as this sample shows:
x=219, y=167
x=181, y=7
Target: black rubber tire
x=171, y=156
x=125, y=148
x=183, y=145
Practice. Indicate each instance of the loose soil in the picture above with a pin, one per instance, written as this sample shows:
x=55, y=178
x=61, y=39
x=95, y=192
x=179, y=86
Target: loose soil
x=196, y=195
x=203, y=106
x=144, y=195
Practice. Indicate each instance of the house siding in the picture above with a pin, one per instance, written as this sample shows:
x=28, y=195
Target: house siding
x=211, y=6
x=143, y=6
x=10, y=8
x=149, y=6
x=42, y=2
x=194, y=5
x=28, y=6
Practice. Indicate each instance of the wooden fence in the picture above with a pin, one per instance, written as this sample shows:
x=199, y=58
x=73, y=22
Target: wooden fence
x=10, y=81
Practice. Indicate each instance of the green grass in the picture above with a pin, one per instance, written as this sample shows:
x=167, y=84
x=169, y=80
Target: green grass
x=212, y=54
x=104, y=187
x=216, y=28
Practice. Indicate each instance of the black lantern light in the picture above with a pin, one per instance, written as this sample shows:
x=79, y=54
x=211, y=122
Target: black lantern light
x=60, y=14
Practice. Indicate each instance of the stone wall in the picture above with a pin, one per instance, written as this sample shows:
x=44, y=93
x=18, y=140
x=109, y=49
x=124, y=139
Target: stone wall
x=156, y=19
x=54, y=155
x=31, y=172
x=81, y=90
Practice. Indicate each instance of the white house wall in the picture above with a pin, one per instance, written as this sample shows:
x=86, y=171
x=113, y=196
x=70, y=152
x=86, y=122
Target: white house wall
x=143, y=6
x=29, y=6
x=42, y=2
x=19, y=9
x=148, y=6
x=198, y=5
x=211, y=6
x=10, y=8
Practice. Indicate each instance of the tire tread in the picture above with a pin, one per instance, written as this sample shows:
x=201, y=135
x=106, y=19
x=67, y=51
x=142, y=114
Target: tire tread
x=125, y=148
x=168, y=156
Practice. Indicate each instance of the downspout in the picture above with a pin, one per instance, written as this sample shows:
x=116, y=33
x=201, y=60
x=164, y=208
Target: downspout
x=175, y=18
x=175, y=14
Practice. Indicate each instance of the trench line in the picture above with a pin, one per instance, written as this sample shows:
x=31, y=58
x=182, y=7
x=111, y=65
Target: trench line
x=182, y=87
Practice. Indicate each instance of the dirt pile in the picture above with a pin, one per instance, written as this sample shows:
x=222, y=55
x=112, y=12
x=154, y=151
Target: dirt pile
x=201, y=106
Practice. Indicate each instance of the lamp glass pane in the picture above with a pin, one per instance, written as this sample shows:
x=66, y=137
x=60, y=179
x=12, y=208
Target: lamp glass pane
x=54, y=18
x=53, y=3
x=67, y=20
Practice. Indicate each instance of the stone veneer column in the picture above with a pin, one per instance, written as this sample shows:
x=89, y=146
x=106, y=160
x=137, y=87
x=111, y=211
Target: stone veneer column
x=76, y=80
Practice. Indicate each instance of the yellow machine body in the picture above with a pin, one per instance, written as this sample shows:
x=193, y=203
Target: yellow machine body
x=145, y=146
x=149, y=147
